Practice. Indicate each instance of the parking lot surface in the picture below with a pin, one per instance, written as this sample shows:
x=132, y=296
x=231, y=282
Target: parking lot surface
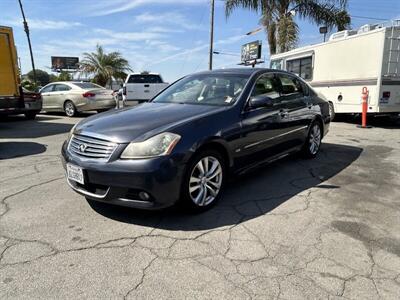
x=322, y=228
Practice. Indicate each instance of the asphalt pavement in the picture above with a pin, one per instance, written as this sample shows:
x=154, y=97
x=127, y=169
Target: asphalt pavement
x=297, y=229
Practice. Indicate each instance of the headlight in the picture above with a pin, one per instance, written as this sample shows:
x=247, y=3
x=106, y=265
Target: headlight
x=71, y=132
x=159, y=145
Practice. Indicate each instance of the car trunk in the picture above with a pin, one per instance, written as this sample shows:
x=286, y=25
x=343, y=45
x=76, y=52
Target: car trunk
x=100, y=94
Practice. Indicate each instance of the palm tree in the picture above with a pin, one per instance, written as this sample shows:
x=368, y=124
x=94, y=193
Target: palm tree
x=278, y=17
x=105, y=66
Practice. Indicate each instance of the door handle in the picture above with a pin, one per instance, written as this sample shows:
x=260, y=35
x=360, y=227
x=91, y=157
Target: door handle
x=283, y=113
x=146, y=85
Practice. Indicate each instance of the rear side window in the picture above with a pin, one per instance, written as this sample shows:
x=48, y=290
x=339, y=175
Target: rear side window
x=301, y=67
x=144, y=79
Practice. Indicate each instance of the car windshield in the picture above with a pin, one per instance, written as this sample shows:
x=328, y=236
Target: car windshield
x=205, y=89
x=87, y=85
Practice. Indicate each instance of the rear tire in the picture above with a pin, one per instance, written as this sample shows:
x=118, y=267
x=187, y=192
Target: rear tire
x=30, y=115
x=203, y=182
x=70, y=109
x=313, y=142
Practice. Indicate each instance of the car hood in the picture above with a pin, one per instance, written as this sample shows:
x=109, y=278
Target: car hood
x=143, y=121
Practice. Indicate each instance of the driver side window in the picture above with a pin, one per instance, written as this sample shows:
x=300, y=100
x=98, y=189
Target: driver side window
x=266, y=85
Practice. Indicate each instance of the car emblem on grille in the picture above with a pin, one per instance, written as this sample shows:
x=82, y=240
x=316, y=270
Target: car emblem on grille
x=82, y=147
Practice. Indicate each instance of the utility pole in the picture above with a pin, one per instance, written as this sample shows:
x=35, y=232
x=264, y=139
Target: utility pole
x=210, y=62
x=26, y=28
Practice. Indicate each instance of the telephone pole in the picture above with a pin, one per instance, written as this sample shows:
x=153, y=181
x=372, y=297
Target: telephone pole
x=26, y=28
x=210, y=62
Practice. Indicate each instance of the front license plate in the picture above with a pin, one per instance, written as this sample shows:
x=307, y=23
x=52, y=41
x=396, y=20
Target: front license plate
x=75, y=173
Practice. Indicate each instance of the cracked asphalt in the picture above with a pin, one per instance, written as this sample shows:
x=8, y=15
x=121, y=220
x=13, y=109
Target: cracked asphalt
x=297, y=229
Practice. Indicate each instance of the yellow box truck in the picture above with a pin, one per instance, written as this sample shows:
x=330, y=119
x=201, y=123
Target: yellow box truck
x=13, y=100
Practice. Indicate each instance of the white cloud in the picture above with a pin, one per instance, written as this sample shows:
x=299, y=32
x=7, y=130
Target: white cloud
x=160, y=29
x=129, y=36
x=172, y=18
x=40, y=24
x=116, y=6
x=227, y=41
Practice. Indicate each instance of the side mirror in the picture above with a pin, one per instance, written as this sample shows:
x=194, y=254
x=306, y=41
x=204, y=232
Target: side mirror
x=260, y=101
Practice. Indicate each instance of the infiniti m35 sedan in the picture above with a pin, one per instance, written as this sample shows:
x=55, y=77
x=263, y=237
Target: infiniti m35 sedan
x=182, y=146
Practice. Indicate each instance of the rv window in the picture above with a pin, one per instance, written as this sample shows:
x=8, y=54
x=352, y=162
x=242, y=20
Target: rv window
x=301, y=67
x=276, y=64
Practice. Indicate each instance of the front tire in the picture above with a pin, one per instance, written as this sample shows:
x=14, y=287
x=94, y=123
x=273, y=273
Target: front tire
x=332, y=113
x=204, y=181
x=31, y=115
x=313, y=142
x=70, y=109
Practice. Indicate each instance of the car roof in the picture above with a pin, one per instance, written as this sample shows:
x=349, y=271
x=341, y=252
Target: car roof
x=244, y=71
x=69, y=82
x=157, y=74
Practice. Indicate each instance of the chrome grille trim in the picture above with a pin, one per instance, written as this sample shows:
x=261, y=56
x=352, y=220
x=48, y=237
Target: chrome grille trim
x=94, y=148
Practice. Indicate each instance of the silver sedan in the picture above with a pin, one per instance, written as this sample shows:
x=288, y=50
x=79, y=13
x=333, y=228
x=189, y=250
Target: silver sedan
x=73, y=97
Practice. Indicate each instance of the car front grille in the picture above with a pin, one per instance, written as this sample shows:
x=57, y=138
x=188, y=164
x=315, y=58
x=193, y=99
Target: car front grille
x=91, y=147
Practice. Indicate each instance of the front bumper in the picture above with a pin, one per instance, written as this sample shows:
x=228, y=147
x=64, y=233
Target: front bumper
x=120, y=182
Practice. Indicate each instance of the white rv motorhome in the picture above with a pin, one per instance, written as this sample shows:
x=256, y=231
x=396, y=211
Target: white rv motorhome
x=352, y=59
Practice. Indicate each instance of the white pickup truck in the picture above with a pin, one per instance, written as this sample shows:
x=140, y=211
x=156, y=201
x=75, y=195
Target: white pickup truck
x=140, y=87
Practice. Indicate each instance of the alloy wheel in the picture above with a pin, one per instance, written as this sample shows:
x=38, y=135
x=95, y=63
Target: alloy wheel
x=69, y=109
x=205, y=181
x=315, y=139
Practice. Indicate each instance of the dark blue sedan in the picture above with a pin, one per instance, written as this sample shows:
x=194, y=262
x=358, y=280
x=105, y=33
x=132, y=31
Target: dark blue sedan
x=182, y=146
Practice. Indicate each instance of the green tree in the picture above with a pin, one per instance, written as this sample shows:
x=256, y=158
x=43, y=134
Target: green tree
x=105, y=66
x=278, y=17
x=42, y=77
x=64, y=76
x=29, y=85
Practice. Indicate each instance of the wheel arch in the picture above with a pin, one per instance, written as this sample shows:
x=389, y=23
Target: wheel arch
x=218, y=145
x=68, y=100
x=319, y=119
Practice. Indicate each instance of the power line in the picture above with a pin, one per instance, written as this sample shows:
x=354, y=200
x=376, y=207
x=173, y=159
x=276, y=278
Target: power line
x=369, y=18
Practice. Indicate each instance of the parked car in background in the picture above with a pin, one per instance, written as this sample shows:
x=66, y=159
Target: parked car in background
x=184, y=143
x=139, y=88
x=73, y=97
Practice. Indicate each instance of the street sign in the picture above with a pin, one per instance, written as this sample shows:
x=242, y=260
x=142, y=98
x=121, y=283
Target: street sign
x=323, y=30
x=59, y=63
x=251, y=52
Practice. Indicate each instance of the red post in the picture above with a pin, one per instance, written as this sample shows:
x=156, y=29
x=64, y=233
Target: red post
x=365, y=94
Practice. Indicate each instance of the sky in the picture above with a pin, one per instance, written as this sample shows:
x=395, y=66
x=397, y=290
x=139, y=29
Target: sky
x=170, y=37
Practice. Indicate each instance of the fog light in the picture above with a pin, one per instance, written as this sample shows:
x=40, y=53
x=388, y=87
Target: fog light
x=144, y=196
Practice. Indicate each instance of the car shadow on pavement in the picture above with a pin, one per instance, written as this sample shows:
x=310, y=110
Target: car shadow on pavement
x=21, y=118
x=17, y=149
x=249, y=196
x=21, y=128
